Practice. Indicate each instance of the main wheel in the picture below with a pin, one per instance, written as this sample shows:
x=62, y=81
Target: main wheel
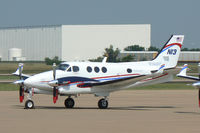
x=69, y=103
x=103, y=103
x=29, y=104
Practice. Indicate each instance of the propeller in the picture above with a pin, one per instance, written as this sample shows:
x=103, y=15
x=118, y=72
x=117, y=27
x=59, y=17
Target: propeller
x=55, y=90
x=21, y=88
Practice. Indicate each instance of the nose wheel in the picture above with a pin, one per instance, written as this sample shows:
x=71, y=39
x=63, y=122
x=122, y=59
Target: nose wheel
x=29, y=104
x=69, y=103
x=103, y=103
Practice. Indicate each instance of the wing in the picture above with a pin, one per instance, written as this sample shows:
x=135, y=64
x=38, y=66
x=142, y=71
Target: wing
x=114, y=83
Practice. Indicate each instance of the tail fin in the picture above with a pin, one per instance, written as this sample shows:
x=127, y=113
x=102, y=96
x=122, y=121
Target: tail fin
x=183, y=71
x=17, y=71
x=183, y=74
x=170, y=52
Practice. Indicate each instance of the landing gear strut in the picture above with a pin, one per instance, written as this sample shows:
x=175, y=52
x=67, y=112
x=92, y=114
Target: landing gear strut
x=69, y=103
x=103, y=103
x=29, y=104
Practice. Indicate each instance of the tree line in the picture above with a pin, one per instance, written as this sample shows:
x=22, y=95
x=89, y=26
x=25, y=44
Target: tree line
x=113, y=54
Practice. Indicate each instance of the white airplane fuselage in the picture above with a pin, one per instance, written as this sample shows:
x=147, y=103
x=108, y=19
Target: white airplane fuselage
x=113, y=71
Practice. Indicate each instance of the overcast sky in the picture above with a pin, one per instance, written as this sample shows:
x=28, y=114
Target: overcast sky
x=166, y=17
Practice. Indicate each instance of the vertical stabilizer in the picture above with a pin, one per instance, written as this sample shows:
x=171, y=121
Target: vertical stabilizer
x=170, y=52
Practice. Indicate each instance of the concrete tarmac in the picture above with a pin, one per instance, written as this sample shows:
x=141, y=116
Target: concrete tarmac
x=130, y=111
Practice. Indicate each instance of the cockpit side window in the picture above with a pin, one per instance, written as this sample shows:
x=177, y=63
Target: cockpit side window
x=62, y=67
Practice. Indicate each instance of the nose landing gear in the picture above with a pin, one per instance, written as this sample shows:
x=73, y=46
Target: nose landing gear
x=29, y=104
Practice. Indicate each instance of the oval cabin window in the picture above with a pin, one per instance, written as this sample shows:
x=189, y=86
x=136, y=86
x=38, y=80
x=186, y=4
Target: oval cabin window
x=129, y=70
x=96, y=69
x=104, y=69
x=89, y=69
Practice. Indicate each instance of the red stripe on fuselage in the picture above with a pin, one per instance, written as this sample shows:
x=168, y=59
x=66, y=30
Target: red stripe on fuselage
x=115, y=76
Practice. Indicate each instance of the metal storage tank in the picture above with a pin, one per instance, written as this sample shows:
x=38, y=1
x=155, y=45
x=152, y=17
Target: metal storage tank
x=14, y=54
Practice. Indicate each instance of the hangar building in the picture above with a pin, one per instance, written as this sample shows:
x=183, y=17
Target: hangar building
x=69, y=42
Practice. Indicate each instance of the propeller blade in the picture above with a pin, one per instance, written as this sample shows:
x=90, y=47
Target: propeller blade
x=55, y=90
x=21, y=94
x=55, y=95
x=54, y=71
x=21, y=89
x=20, y=71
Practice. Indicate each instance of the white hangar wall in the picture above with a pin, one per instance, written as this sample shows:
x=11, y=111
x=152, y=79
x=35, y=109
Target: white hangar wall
x=83, y=42
x=70, y=42
x=36, y=42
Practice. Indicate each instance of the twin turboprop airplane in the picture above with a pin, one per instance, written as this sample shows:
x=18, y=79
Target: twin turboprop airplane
x=100, y=78
x=183, y=74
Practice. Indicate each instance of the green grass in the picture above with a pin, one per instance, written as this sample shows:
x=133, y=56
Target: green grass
x=8, y=87
x=8, y=77
x=165, y=86
x=9, y=68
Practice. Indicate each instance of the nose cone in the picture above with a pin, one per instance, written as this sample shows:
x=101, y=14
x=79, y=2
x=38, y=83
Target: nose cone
x=29, y=82
x=39, y=81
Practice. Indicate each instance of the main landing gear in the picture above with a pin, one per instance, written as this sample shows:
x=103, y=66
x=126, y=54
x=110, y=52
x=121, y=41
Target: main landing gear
x=69, y=102
x=103, y=103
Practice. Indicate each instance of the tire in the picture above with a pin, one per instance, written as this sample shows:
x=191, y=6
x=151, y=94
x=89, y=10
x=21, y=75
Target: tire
x=103, y=103
x=69, y=103
x=29, y=104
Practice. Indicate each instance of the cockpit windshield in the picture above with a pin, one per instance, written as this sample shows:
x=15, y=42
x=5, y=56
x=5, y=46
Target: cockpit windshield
x=62, y=67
